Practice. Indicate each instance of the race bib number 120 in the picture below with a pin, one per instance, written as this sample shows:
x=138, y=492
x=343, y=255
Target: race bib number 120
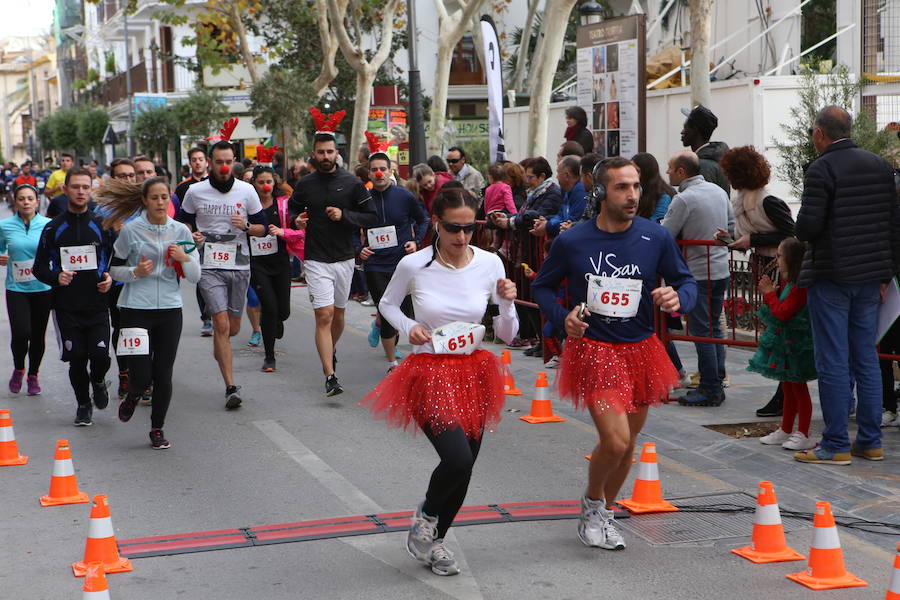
x=133, y=341
x=613, y=296
x=219, y=255
x=78, y=258
x=457, y=338
x=264, y=246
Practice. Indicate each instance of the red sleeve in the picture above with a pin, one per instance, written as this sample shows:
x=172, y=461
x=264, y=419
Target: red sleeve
x=508, y=202
x=784, y=310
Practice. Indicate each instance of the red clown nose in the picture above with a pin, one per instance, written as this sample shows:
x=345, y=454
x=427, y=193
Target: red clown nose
x=224, y=169
x=267, y=188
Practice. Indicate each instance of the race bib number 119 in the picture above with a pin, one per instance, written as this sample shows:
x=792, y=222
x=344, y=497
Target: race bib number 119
x=133, y=341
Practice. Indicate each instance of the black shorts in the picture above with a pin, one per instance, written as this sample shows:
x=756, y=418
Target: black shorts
x=83, y=334
x=378, y=282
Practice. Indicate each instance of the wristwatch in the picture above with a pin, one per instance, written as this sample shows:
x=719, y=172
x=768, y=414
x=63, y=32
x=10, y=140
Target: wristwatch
x=246, y=226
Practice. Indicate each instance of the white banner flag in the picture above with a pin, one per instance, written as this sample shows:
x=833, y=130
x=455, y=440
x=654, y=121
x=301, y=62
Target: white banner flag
x=495, y=88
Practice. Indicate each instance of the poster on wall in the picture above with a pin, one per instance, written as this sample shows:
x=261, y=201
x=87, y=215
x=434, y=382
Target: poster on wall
x=612, y=82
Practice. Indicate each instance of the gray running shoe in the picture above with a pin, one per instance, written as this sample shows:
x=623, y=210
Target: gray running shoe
x=614, y=539
x=232, y=397
x=420, y=538
x=441, y=560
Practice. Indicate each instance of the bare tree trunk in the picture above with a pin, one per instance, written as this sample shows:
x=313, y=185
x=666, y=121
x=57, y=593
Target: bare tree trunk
x=452, y=26
x=365, y=70
x=329, y=42
x=522, y=54
x=556, y=17
x=701, y=27
x=246, y=54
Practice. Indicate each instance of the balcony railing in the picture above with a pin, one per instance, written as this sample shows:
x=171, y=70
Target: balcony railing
x=115, y=88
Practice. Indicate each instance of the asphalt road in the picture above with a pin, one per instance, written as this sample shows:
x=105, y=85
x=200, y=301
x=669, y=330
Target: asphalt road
x=291, y=454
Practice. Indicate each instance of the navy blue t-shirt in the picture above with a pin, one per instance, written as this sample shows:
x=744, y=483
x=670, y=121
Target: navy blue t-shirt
x=644, y=251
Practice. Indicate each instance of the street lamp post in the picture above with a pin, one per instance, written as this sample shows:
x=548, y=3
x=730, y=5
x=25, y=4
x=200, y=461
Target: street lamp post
x=416, y=111
x=590, y=13
x=129, y=135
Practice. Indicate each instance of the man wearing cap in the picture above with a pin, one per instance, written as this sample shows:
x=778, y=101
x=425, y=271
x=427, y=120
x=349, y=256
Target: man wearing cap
x=332, y=205
x=697, y=129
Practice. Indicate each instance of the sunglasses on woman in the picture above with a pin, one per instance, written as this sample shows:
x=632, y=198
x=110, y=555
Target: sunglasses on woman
x=456, y=227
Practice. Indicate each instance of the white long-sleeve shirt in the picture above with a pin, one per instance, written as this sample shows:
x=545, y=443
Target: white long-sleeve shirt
x=442, y=295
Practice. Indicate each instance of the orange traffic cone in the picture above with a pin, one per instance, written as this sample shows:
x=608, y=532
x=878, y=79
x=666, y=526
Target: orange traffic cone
x=826, y=559
x=647, y=494
x=63, y=484
x=541, y=409
x=767, y=544
x=509, y=383
x=893, y=592
x=9, y=451
x=101, y=542
x=95, y=586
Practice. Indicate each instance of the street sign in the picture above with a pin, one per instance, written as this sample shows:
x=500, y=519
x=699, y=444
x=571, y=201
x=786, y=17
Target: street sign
x=110, y=137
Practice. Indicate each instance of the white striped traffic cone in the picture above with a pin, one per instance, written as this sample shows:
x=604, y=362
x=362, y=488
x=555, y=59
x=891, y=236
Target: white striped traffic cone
x=95, y=586
x=63, y=483
x=9, y=451
x=826, y=559
x=101, y=542
x=646, y=497
x=767, y=544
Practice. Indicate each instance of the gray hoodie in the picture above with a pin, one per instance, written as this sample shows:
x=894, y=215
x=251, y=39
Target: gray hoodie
x=696, y=211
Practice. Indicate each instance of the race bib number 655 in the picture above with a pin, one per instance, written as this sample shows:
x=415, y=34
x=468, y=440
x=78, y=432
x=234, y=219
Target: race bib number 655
x=457, y=338
x=613, y=296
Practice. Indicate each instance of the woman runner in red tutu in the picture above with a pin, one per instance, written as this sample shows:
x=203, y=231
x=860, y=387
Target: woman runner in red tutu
x=449, y=387
x=613, y=364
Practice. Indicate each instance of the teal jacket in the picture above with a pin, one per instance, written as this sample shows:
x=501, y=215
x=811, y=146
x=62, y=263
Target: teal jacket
x=159, y=289
x=21, y=243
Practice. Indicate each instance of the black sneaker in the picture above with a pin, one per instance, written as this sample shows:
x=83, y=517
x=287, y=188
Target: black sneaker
x=83, y=415
x=773, y=409
x=268, y=365
x=232, y=397
x=147, y=396
x=157, y=440
x=101, y=394
x=333, y=386
x=127, y=406
x=536, y=350
x=123, y=385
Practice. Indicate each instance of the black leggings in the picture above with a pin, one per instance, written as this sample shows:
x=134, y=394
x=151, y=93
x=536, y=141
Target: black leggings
x=164, y=328
x=28, y=315
x=274, y=293
x=113, y=297
x=450, y=480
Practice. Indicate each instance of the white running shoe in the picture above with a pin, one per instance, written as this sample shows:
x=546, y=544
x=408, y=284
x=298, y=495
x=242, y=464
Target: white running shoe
x=596, y=526
x=798, y=441
x=552, y=363
x=889, y=419
x=441, y=560
x=614, y=539
x=420, y=538
x=776, y=438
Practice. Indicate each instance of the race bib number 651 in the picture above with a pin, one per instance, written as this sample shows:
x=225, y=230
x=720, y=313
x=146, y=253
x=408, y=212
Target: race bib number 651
x=613, y=296
x=457, y=338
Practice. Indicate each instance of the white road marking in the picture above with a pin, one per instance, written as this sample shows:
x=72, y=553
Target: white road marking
x=386, y=548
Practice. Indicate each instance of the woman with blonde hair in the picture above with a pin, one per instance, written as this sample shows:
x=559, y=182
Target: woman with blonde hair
x=152, y=253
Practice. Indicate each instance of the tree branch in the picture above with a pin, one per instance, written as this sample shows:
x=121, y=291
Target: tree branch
x=353, y=56
x=387, y=35
x=441, y=10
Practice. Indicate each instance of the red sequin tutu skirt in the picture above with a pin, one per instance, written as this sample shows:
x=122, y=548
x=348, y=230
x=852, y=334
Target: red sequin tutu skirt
x=442, y=391
x=623, y=377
